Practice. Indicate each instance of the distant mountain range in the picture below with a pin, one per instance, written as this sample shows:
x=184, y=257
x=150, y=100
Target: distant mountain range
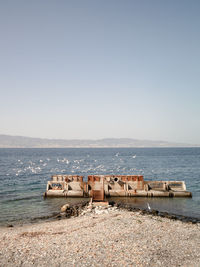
x=8, y=141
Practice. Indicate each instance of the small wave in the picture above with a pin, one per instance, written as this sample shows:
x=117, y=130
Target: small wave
x=20, y=199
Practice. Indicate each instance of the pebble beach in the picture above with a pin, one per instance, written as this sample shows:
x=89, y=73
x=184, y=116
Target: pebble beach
x=102, y=237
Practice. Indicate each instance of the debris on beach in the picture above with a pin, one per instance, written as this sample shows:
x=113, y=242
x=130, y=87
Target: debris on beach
x=90, y=208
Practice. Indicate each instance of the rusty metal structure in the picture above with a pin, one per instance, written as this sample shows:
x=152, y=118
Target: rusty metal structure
x=100, y=187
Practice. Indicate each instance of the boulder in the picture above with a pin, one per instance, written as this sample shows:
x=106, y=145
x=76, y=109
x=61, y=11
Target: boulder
x=65, y=207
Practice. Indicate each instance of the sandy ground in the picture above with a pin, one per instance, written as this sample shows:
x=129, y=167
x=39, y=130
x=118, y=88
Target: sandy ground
x=110, y=238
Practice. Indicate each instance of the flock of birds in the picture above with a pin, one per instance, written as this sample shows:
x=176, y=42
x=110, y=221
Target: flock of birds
x=72, y=165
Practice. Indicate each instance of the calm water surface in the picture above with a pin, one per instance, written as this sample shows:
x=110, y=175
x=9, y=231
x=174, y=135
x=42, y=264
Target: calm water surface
x=25, y=172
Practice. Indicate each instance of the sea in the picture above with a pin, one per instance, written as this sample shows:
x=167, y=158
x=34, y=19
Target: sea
x=24, y=174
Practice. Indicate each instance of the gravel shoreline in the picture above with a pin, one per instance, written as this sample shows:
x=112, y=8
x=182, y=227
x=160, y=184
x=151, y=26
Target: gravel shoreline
x=108, y=237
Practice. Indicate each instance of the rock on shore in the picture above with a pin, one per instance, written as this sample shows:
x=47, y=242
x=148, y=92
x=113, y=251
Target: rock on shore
x=103, y=238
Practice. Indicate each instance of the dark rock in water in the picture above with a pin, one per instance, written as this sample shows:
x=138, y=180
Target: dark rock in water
x=169, y=216
x=184, y=220
x=111, y=203
x=165, y=215
x=155, y=212
x=68, y=215
x=194, y=221
x=173, y=217
x=137, y=209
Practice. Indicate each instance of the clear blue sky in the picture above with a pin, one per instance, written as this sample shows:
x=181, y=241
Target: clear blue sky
x=95, y=69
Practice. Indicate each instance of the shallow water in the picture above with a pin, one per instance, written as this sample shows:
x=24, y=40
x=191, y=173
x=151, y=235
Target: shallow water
x=25, y=172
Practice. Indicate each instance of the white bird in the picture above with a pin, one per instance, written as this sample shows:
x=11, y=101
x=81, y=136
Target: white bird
x=148, y=206
x=134, y=156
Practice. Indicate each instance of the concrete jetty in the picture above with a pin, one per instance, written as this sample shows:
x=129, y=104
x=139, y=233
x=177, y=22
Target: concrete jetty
x=100, y=187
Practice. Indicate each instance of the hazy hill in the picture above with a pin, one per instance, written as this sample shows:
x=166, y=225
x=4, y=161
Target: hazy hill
x=28, y=142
